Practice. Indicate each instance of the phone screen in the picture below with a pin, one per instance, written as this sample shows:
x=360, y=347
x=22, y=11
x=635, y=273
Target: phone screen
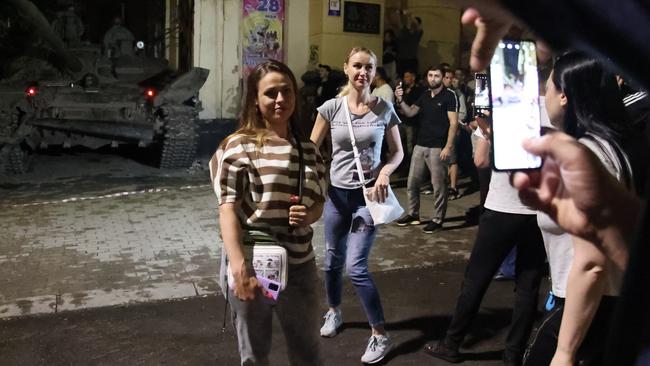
x=515, y=105
x=482, y=92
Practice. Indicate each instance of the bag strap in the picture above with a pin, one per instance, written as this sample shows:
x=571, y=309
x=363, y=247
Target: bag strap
x=301, y=164
x=357, y=158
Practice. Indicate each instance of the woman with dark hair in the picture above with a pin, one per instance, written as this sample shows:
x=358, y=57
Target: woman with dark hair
x=349, y=228
x=583, y=100
x=254, y=174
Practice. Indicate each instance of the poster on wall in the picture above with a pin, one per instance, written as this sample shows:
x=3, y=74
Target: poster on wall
x=263, y=25
x=334, y=8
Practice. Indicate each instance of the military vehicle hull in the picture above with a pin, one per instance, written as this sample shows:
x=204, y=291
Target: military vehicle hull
x=94, y=100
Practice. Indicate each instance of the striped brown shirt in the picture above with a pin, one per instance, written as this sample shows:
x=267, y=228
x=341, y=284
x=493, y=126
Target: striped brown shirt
x=262, y=180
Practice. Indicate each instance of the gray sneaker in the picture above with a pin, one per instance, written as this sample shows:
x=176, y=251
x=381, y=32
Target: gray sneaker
x=378, y=347
x=333, y=321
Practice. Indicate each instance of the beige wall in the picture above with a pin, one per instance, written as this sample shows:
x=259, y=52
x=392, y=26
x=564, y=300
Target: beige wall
x=326, y=32
x=217, y=46
x=217, y=42
x=296, y=38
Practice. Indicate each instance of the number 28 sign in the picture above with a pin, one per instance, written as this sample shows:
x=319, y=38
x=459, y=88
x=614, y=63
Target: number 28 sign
x=263, y=29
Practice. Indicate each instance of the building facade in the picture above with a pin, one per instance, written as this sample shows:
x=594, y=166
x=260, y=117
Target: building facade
x=314, y=31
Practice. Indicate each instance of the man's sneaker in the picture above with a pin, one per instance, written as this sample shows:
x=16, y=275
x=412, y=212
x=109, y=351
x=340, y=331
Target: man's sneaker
x=452, y=194
x=443, y=352
x=378, y=347
x=408, y=220
x=333, y=321
x=431, y=227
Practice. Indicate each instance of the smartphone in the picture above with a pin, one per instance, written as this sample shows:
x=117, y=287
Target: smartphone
x=513, y=90
x=270, y=289
x=481, y=94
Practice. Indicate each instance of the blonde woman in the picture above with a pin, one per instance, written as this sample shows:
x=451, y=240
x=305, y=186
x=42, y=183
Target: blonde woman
x=349, y=229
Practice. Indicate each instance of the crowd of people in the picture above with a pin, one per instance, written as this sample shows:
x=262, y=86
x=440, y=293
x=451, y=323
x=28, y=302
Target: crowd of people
x=579, y=212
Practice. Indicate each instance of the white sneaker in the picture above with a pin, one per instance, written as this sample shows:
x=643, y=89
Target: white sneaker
x=378, y=347
x=333, y=320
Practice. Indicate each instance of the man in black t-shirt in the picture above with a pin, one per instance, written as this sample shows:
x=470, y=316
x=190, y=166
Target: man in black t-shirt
x=328, y=87
x=409, y=126
x=438, y=123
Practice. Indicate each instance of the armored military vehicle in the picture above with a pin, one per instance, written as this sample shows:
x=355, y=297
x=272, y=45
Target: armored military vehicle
x=75, y=93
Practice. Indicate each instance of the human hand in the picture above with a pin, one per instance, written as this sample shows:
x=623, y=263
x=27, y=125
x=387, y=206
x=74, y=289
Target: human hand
x=298, y=215
x=379, y=191
x=445, y=152
x=399, y=93
x=492, y=22
x=562, y=359
x=484, y=124
x=245, y=286
x=572, y=186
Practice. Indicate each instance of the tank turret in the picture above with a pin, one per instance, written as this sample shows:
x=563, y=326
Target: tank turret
x=29, y=13
x=101, y=95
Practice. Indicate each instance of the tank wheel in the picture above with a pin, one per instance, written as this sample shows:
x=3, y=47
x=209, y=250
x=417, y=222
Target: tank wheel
x=18, y=160
x=180, y=141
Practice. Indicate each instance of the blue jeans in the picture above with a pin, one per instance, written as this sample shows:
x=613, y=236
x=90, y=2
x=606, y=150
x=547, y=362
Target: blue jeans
x=349, y=235
x=508, y=265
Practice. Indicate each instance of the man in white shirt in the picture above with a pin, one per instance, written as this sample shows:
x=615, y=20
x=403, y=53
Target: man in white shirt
x=381, y=87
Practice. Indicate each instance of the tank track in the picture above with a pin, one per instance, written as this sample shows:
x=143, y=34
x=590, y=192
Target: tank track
x=180, y=141
x=17, y=161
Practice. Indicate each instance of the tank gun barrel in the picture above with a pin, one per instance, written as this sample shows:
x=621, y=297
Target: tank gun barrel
x=30, y=13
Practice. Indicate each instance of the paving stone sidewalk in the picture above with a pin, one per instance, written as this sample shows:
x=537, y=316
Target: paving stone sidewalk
x=72, y=241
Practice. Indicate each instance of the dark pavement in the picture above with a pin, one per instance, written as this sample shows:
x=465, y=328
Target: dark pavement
x=418, y=303
x=66, y=261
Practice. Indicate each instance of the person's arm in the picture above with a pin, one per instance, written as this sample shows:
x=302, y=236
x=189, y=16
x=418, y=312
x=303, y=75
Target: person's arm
x=231, y=233
x=483, y=144
x=462, y=108
x=408, y=110
x=580, y=195
x=380, y=189
x=482, y=151
x=451, y=135
x=585, y=287
x=319, y=132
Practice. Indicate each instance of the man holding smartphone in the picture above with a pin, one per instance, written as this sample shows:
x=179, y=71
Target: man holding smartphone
x=409, y=126
x=438, y=117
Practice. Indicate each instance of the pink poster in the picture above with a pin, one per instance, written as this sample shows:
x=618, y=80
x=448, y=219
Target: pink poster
x=263, y=27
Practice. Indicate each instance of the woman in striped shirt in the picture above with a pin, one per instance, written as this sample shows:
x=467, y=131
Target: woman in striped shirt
x=255, y=173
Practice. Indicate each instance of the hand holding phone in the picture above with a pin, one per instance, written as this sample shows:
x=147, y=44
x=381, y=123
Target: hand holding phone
x=509, y=96
x=399, y=93
x=270, y=289
x=482, y=95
